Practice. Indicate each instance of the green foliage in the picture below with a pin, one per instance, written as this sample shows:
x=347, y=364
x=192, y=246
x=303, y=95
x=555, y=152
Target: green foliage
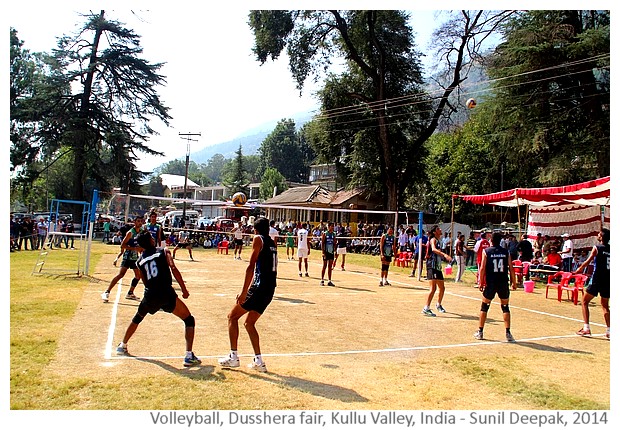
x=375, y=117
x=272, y=179
x=236, y=177
x=551, y=97
x=93, y=96
x=283, y=150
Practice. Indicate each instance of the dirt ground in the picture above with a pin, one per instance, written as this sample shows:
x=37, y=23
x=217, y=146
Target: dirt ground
x=349, y=337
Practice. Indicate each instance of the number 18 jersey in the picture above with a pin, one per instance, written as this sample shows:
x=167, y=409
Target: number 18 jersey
x=497, y=269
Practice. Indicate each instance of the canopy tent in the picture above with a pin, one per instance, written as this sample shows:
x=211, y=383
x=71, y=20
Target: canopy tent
x=579, y=210
x=590, y=193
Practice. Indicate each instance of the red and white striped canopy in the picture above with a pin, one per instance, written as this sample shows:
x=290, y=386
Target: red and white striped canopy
x=590, y=193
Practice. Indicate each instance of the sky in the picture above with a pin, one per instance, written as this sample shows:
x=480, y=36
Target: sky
x=215, y=86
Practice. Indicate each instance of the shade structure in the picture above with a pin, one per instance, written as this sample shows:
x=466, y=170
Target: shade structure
x=589, y=193
x=579, y=210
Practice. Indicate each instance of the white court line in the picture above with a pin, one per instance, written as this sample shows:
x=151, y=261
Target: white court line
x=511, y=305
x=108, y=351
x=486, y=342
x=110, y=341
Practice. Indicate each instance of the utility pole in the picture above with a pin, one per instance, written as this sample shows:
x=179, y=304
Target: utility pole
x=188, y=137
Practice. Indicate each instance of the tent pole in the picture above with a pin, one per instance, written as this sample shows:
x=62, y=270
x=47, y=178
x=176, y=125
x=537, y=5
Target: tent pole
x=451, y=229
x=519, y=218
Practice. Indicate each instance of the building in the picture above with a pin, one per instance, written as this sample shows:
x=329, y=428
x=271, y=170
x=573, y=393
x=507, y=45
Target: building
x=315, y=204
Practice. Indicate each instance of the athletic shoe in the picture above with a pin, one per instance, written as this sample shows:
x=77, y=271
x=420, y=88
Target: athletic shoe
x=322, y=283
x=583, y=332
x=428, y=312
x=478, y=335
x=607, y=335
x=229, y=362
x=440, y=308
x=307, y=276
x=330, y=284
x=258, y=367
x=381, y=283
x=342, y=268
x=412, y=275
x=132, y=296
x=121, y=350
x=191, y=361
x=105, y=296
x=300, y=275
x=386, y=282
x=509, y=337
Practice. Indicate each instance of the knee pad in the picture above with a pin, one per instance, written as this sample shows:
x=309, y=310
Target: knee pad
x=134, y=282
x=484, y=307
x=506, y=309
x=190, y=321
x=137, y=318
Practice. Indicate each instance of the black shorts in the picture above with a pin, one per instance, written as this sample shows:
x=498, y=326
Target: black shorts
x=258, y=298
x=598, y=287
x=151, y=303
x=433, y=274
x=183, y=245
x=502, y=291
x=130, y=264
x=328, y=256
x=238, y=242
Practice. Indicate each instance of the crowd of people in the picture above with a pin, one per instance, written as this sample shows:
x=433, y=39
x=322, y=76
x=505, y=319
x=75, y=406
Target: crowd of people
x=27, y=233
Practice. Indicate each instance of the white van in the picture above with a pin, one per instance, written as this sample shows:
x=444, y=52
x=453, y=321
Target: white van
x=172, y=218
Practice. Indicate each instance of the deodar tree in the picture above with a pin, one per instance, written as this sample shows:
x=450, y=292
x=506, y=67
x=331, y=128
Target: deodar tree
x=95, y=106
x=375, y=114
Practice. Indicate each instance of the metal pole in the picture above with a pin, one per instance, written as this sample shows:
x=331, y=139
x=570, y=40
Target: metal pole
x=420, y=227
x=187, y=136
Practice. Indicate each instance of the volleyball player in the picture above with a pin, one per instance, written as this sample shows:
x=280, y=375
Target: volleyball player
x=495, y=270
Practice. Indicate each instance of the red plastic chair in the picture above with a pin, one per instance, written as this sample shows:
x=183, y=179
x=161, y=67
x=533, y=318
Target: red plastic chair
x=572, y=290
x=557, y=281
x=222, y=246
x=517, y=265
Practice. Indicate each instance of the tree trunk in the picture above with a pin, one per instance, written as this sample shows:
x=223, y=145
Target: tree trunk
x=81, y=134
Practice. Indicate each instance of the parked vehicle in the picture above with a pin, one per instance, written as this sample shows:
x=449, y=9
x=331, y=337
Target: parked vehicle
x=172, y=219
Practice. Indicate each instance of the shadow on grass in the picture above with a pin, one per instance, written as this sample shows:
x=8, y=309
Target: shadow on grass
x=319, y=389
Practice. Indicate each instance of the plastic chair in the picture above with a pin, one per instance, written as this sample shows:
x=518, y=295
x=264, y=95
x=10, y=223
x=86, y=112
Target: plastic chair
x=517, y=265
x=562, y=278
x=222, y=246
x=572, y=290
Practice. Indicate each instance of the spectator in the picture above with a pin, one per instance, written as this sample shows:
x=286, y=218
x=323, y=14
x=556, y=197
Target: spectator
x=469, y=247
x=41, y=233
x=567, y=253
x=525, y=248
x=106, y=230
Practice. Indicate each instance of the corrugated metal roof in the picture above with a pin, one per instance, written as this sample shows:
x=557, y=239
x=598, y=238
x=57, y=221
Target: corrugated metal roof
x=300, y=195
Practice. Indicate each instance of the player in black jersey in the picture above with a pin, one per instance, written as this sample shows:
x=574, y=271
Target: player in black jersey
x=156, y=265
x=257, y=292
x=600, y=254
x=156, y=229
x=328, y=249
x=495, y=268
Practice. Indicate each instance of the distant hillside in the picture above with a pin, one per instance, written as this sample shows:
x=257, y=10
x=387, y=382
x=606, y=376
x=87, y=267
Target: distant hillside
x=250, y=140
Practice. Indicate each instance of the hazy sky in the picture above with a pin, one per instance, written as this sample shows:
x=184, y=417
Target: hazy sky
x=214, y=84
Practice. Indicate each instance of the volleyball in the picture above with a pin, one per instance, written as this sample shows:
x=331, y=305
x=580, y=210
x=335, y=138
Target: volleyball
x=239, y=199
x=470, y=103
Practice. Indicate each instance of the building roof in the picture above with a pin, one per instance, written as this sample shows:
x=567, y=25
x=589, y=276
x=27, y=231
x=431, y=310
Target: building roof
x=342, y=196
x=176, y=181
x=302, y=195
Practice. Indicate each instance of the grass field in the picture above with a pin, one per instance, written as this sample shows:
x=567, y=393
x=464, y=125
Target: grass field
x=355, y=346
